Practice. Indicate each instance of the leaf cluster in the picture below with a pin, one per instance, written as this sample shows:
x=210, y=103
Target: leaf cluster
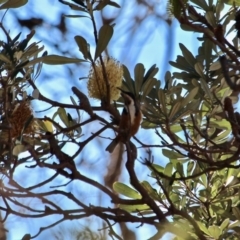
x=196, y=195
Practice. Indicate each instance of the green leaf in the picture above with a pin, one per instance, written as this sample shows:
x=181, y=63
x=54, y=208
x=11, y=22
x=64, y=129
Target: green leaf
x=151, y=72
x=61, y=112
x=128, y=80
x=204, y=180
x=215, y=66
x=83, y=46
x=231, y=2
x=224, y=224
x=105, y=3
x=74, y=103
x=171, y=154
x=134, y=208
x=104, y=36
x=47, y=126
x=102, y=4
x=126, y=190
x=236, y=213
x=234, y=224
x=211, y=18
x=19, y=149
x=13, y=4
x=174, y=110
x=162, y=102
x=158, y=168
x=215, y=232
x=73, y=6
x=75, y=16
x=148, y=86
x=26, y=237
x=4, y=58
x=199, y=69
x=114, y=4
x=201, y=3
x=151, y=191
x=206, y=88
x=55, y=60
x=168, y=169
x=190, y=96
x=138, y=76
x=179, y=168
x=203, y=227
x=187, y=55
x=190, y=167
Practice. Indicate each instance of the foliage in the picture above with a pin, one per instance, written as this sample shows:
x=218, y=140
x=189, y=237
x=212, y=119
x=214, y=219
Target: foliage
x=196, y=195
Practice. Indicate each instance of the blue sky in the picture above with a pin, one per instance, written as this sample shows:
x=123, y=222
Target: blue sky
x=158, y=47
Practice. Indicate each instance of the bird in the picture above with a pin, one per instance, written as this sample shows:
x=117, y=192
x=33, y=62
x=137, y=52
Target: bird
x=130, y=120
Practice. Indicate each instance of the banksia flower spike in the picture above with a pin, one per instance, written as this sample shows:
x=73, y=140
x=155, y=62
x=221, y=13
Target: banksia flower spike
x=97, y=86
x=21, y=120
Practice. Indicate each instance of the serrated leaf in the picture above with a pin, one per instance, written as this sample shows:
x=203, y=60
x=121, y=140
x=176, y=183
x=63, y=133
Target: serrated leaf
x=13, y=4
x=104, y=36
x=83, y=45
x=125, y=190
